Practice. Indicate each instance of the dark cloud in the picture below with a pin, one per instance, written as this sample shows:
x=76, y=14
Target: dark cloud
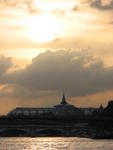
x=98, y=4
x=5, y=64
x=78, y=73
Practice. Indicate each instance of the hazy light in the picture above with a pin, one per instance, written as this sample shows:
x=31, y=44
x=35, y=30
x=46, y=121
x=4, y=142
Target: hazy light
x=43, y=28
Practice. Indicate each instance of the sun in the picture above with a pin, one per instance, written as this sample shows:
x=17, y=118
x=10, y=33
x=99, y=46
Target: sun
x=43, y=28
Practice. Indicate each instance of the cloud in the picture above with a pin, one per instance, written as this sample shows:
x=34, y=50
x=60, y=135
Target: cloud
x=102, y=5
x=14, y=3
x=24, y=4
x=78, y=73
x=41, y=83
x=98, y=4
x=5, y=64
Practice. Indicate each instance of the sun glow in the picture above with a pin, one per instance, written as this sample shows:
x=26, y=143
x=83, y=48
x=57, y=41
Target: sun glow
x=43, y=28
x=49, y=5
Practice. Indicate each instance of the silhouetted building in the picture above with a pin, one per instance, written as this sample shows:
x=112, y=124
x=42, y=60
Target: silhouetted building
x=109, y=109
x=63, y=109
x=101, y=107
x=110, y=106
x=89, y=111
x=29, y=112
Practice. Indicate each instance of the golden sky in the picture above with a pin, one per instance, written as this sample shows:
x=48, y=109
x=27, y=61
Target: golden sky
x=47, y=41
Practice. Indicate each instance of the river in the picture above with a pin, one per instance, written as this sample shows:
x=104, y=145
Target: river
x=54, y=144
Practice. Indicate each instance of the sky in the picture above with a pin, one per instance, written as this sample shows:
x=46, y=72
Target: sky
x=47, y=47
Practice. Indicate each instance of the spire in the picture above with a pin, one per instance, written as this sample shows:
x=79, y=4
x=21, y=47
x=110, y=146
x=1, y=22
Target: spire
x=63, y=102
x=101, y=107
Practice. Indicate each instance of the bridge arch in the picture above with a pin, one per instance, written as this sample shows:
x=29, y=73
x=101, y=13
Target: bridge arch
x=14, y=133
x=50, y=132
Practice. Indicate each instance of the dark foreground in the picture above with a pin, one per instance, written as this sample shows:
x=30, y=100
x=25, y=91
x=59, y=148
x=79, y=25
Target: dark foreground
x=29, y=127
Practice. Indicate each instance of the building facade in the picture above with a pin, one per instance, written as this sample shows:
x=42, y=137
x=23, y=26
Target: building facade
x=63, y=109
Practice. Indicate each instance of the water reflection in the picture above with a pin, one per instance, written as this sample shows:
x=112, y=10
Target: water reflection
x=54, y=144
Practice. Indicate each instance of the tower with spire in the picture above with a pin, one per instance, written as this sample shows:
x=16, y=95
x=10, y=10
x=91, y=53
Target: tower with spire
x=64, y=107
x=63, y=102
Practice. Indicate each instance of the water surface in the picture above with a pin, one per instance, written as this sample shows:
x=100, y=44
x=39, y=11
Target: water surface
x=54, y=144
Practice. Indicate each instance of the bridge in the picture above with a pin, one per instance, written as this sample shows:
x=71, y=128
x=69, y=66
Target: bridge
x=35, y=130
x=22, y=127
